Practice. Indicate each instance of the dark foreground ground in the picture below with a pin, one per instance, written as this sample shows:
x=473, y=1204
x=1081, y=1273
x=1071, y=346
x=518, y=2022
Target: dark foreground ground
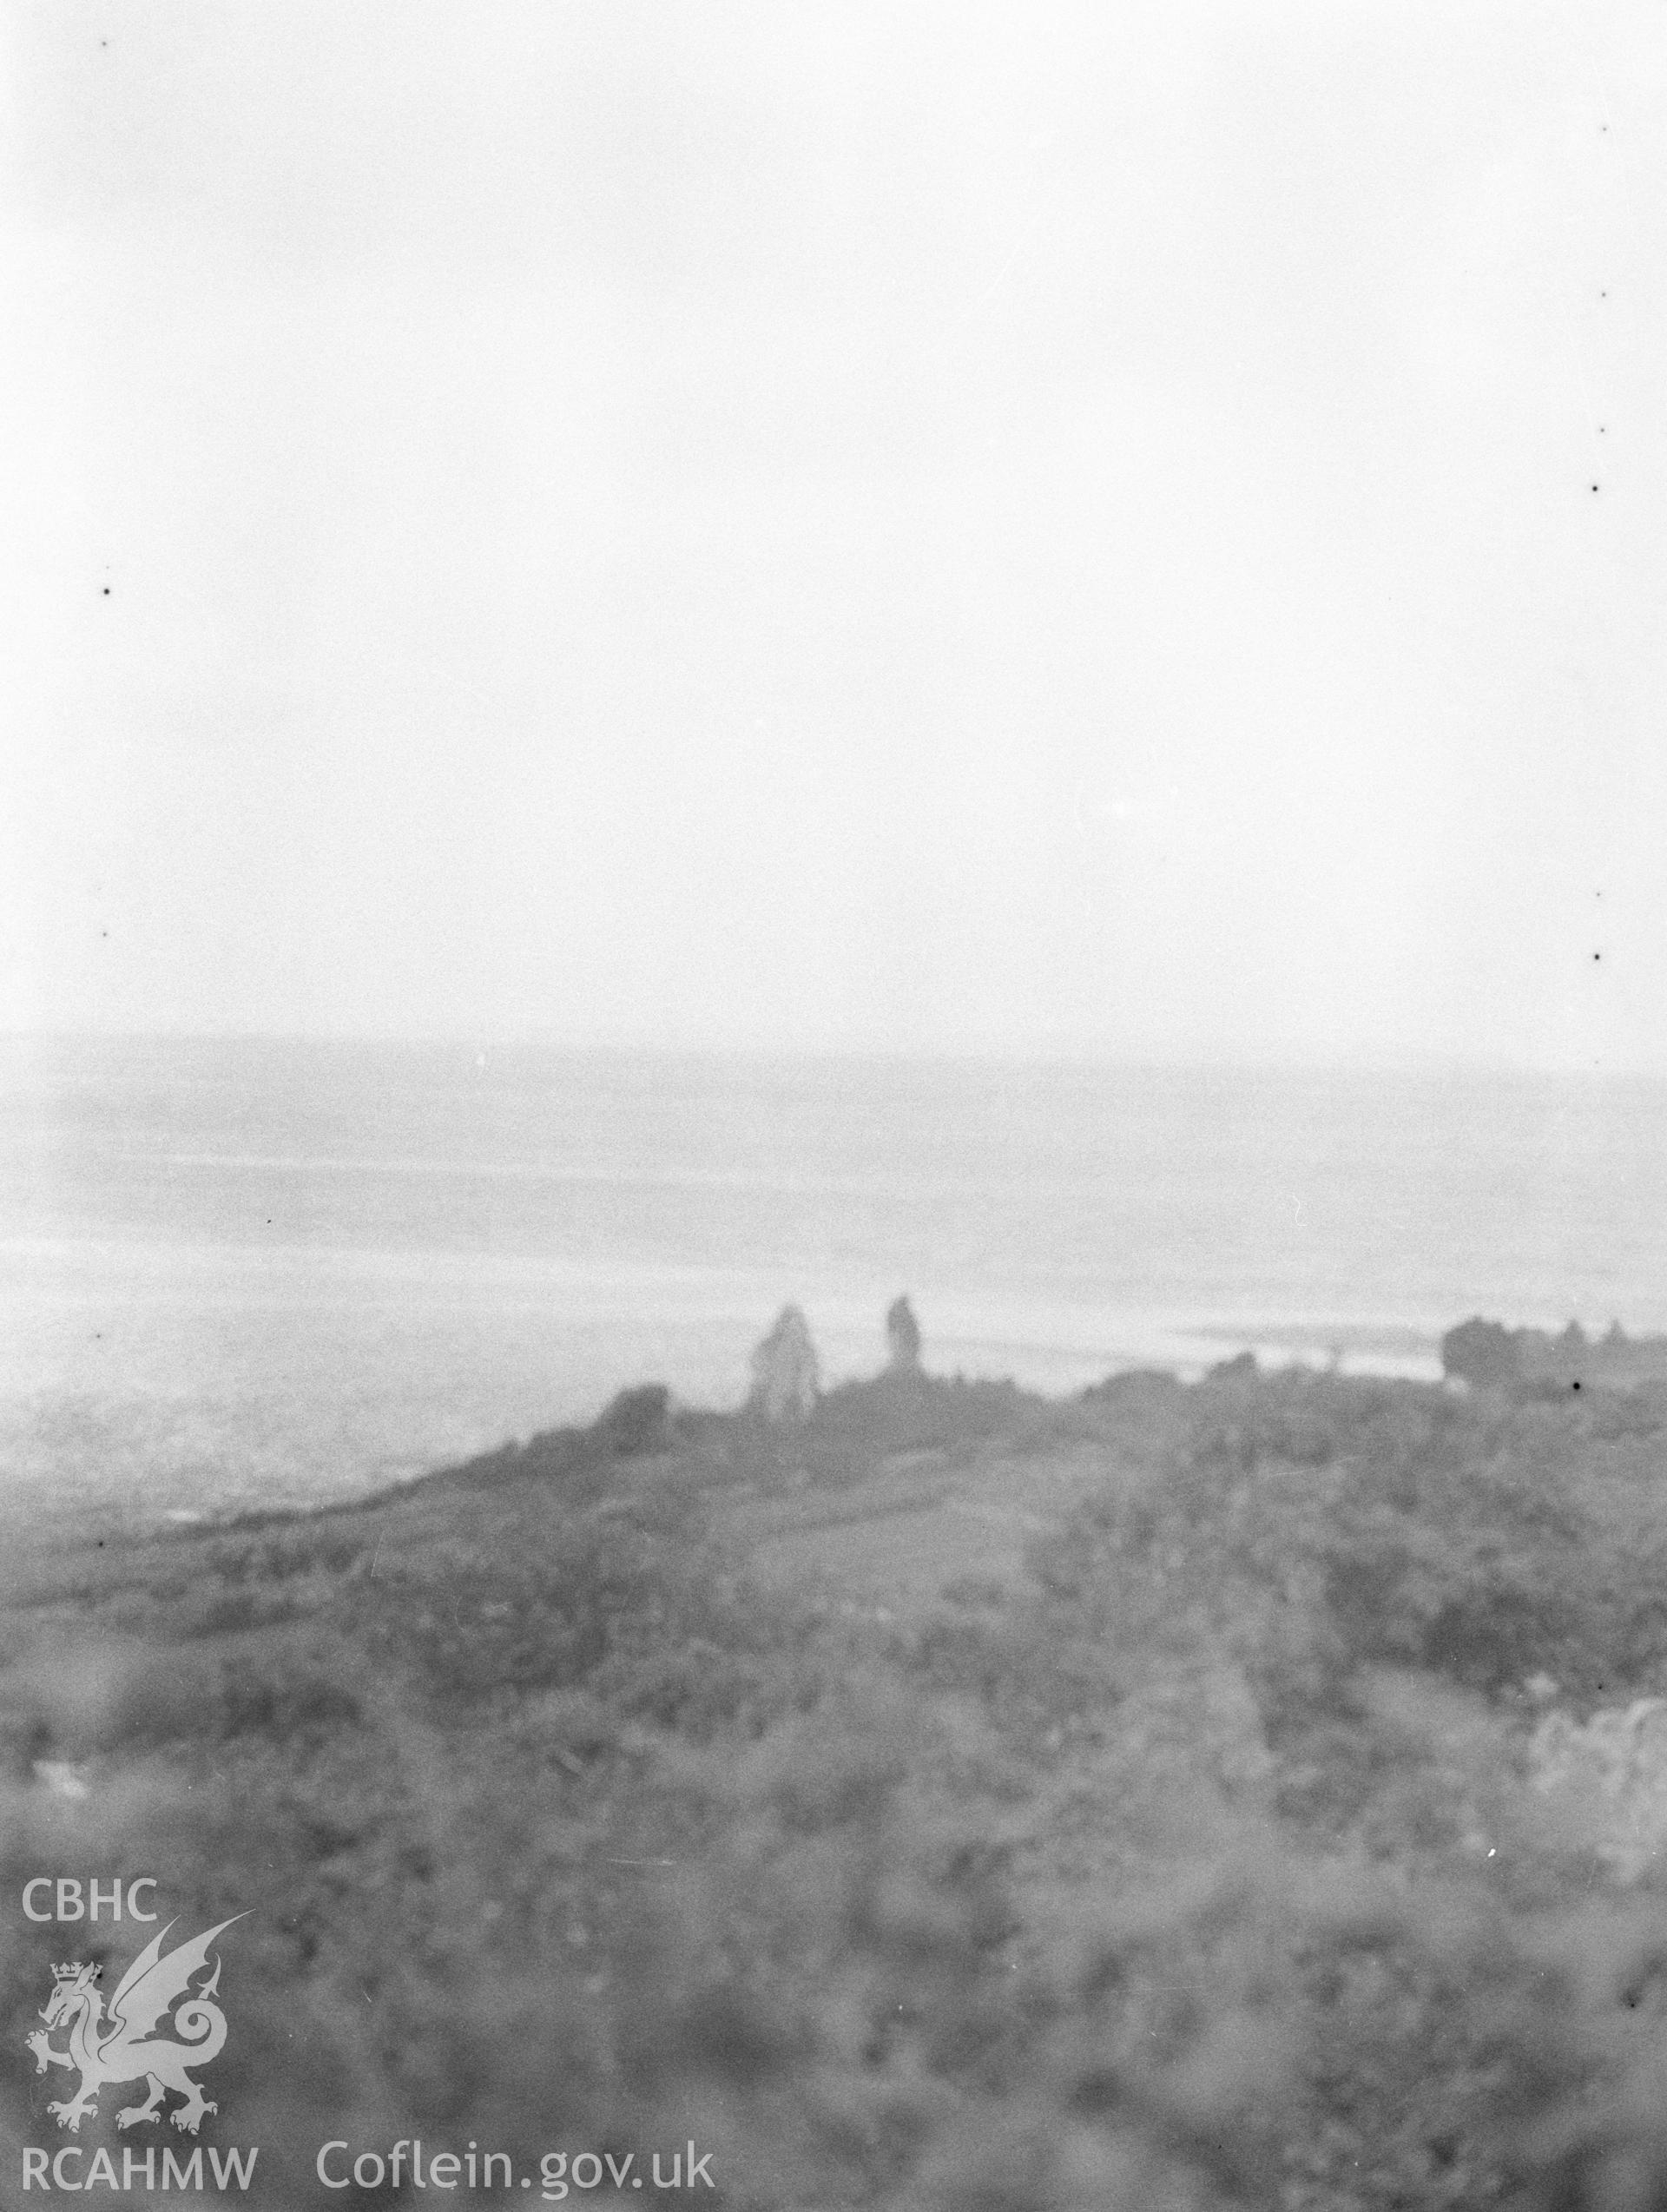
x=1175, y=1797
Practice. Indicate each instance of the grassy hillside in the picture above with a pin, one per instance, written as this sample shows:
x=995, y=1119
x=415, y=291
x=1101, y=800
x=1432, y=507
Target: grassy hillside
x=1178, y=1797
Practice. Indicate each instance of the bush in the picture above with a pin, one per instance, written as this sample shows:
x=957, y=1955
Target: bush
x=1218, y=1863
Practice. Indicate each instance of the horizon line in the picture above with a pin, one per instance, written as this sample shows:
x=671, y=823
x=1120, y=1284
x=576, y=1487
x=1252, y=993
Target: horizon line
x=1237, y=1056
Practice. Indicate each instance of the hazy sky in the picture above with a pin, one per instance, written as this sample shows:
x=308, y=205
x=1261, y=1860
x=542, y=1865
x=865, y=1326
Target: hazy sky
x=1044, y=527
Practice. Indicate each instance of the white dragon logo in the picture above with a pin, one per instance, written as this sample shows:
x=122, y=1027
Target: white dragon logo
x=122, y=2048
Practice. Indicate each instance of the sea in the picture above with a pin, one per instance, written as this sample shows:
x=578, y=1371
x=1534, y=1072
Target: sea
x=237, y=1272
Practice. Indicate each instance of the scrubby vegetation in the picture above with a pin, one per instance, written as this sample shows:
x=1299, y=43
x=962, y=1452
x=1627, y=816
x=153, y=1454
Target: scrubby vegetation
x=1261, y=1844
x=1535, y=1361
